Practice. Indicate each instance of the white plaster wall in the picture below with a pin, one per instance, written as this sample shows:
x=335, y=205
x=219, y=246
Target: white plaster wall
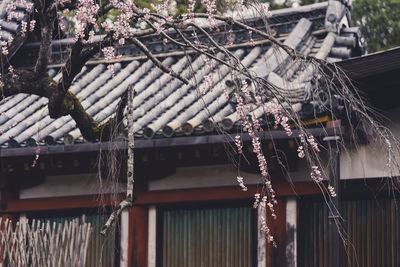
x=220, y=175
x=70, y=185
x=367, y=162
x=370, y=161
x=203, y=176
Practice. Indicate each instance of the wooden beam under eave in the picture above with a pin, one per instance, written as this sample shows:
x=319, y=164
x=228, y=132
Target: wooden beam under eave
x=367, y=187
x=58, y=203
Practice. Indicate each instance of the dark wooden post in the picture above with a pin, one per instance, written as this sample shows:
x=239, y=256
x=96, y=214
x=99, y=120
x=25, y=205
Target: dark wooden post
x=138, y=235
x=9, y=191
x=335, y=243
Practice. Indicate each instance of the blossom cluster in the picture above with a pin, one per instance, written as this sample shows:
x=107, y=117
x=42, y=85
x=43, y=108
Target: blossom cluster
x=331, y=191
x=316, y=174
x=266, y=230
x=64, y=2
x=305, y=142
x=37, y=152
x=312, y=142
x=274, y=109
x=251, y=125
x=256, y=123
x=256, y=200
x=301, y=152
x=32, y=25
x=24, y=26
x=4, y=48
x=245, y=89
x=192, y=4
x=109, y=54
x=211, y=8
x=11, y=70
x=209, y=79
x=239, y=144
x=85, y=15
x=241, y=183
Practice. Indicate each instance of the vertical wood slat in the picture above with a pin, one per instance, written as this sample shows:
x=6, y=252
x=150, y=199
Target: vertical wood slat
x=372, y=228
x=101, y=250
x=208, y=237
x=45, y=242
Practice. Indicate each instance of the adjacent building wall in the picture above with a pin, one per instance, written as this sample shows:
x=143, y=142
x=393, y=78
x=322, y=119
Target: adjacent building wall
x=370, y=161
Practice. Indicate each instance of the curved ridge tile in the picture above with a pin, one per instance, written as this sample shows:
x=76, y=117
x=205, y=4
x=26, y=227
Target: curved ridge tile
x=97, y=88
x=180, y=95
x=163, y=81
x=86, y=78
x=66, y=124
x=97, y=101
x=218, y=75
x=11, y=126
x=155, y=106
x=155, y=72
x=11, y=101
x=213, y=101
x=134, y=78
x=26, y=107
x=275, y=57
x=115, y=92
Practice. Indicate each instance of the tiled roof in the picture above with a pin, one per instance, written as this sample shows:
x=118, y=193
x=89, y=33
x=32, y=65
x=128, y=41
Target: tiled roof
x=11, y=19
x=11, y=16
x=164, y=106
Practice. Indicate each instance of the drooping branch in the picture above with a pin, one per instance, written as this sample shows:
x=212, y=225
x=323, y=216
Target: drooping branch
x=209, y=55
x=289, y=50
x=177, y=25
x=216, y=45
x=199, y=48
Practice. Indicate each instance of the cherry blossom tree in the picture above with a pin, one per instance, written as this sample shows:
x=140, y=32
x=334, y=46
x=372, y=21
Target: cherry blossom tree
x=253, y=94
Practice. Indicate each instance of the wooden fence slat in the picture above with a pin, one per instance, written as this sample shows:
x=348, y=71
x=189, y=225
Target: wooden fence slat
x=45, y=244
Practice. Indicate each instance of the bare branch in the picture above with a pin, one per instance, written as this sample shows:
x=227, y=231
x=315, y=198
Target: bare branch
x=130, y=169
x=114, y=216
x=158, y=63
